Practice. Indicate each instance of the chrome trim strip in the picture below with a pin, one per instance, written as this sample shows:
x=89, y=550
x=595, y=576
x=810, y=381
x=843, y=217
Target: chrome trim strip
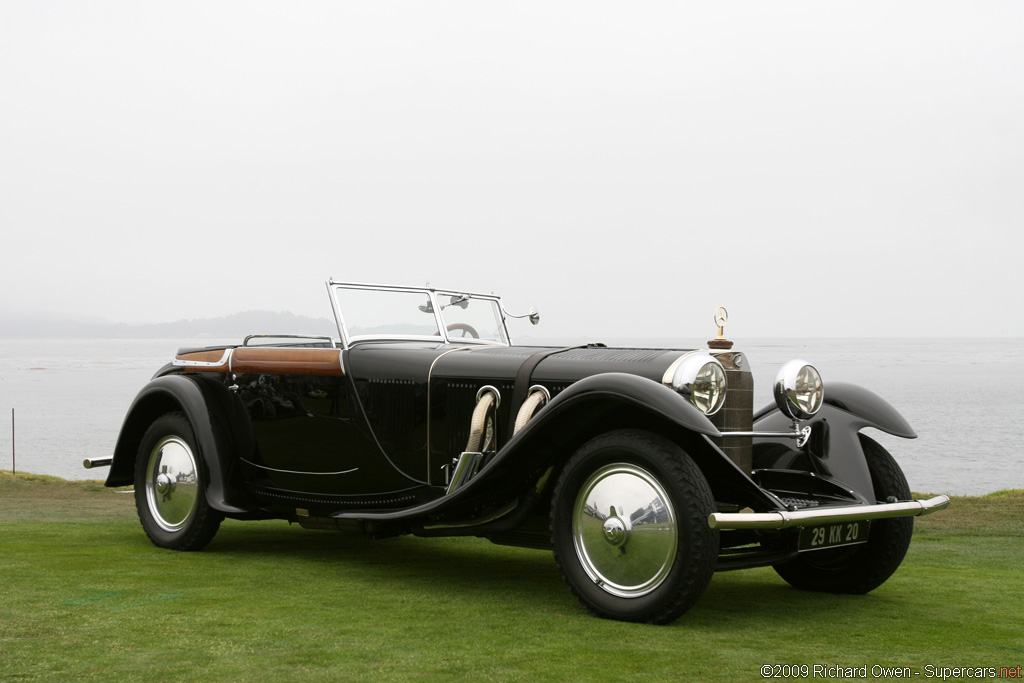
x=289, y=336
x=339, y=321
x=802, y=436
x=401, y=288
x=778, y=435
x=203, y=363
x=271, y=469
x=785, y=519
x=430, y=375
x=440, y=341
x=442, y=331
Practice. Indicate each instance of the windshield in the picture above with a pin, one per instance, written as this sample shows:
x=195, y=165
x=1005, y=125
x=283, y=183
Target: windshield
x=466, y=317
x=377, y=313
x=371, y=312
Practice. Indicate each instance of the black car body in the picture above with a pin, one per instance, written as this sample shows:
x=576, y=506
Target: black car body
x=644, y=470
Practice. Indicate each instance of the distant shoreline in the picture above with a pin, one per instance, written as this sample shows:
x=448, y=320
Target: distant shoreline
x=235, y=325
x=17, y=326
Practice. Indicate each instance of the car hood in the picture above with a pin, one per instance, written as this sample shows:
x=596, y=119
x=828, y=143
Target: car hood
x=418, y=363
x=553, y=364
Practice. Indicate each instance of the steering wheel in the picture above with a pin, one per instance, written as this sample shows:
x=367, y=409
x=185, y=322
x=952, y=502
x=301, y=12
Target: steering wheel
x=466, y=329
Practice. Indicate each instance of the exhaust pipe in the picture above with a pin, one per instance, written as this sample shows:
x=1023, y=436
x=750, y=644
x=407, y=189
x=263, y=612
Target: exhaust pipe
x=89, y=463
x=465, y=468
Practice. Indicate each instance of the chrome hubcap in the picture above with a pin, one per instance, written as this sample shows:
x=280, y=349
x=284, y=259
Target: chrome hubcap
x=172, y=483
x=616, y=530
x=624, y=529
x=164, y=485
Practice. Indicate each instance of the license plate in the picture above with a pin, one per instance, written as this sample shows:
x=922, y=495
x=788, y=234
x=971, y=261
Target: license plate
x=832, y=535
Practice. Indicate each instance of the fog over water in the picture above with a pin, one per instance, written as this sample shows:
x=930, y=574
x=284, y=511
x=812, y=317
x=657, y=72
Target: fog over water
x=963, y=397
x=827, y=169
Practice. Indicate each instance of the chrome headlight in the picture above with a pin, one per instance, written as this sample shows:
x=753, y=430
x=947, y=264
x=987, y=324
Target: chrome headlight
x=799, y=391
x=701, y=379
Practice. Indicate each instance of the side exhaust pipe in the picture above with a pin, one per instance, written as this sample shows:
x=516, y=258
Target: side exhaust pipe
x=465, y=468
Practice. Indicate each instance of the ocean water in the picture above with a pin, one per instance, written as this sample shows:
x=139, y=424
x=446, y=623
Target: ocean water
x=964, y=397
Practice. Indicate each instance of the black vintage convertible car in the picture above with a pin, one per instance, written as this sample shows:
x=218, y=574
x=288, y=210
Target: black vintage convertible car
x=643, y=470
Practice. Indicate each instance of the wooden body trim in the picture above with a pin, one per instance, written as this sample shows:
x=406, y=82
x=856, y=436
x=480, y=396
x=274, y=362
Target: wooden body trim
x=264, y=360
x=273, y=361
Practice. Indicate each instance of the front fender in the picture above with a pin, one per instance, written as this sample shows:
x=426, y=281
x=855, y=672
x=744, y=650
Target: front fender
x=598, y=403
x=586, y=408
x=640, y=391
x=206, y=413
x=847, y=409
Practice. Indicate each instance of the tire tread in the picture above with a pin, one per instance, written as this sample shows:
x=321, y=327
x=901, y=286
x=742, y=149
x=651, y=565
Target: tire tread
x=702, y=541
x=870, y=565
x=205, y=521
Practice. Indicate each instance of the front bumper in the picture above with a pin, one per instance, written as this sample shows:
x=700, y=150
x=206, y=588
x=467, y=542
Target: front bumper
x=785, y=519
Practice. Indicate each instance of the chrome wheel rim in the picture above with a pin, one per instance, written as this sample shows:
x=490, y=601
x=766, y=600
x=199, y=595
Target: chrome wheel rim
x=172, y=483
x=624, y=530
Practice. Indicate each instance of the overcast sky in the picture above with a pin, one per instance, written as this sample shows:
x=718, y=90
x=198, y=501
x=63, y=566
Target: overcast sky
x=822, y=169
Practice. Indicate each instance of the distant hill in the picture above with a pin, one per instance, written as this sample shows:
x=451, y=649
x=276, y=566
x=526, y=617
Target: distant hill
x=236, y=325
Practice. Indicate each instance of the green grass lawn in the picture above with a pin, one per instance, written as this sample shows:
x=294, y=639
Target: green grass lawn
x=84, y=596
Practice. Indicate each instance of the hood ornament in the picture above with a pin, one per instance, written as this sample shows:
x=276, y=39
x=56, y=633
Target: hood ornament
x=721, y=319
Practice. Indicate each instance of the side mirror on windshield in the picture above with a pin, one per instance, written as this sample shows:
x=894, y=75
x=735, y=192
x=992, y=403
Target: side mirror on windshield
x=533, y=315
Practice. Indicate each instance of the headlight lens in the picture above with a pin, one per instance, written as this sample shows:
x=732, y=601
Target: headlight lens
x=701, y=379
x=799, y=391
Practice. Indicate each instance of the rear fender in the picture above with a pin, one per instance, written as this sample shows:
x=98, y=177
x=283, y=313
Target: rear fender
x=206, y=403
x=847, y=409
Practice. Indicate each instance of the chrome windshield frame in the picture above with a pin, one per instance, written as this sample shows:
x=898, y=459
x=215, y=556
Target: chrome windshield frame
x=432, y=293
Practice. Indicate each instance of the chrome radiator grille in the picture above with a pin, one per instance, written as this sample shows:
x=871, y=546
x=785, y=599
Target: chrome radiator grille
x=738, y=412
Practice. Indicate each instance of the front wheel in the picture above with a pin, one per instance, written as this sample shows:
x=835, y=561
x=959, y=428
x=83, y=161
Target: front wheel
x=629, y=527
x=169, y=487
x=860, y=568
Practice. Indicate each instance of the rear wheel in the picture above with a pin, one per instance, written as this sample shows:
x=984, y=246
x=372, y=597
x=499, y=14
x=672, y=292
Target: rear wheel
x=860, y=568
x=629, y=527
x=170, y=487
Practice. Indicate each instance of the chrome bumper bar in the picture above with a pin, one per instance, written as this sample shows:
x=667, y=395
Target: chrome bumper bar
x=784, y=519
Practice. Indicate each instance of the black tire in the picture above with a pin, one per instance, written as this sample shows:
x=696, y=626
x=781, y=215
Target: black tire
x=861, y=568
x=170, y=481
x=652, y=558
